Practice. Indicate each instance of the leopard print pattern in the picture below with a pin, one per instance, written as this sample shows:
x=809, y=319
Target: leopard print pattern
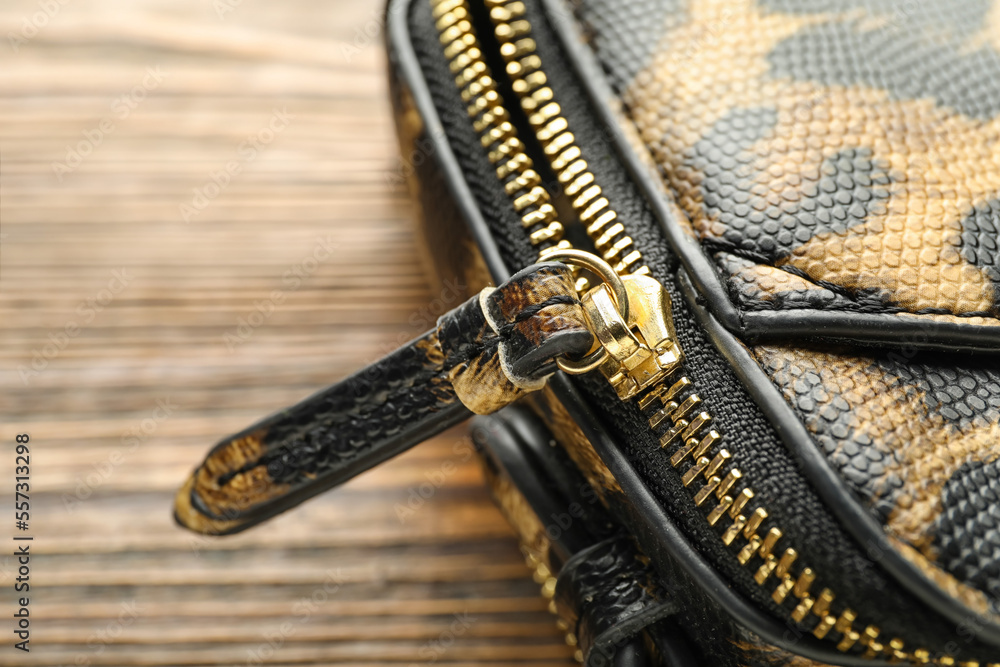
x=844, y=156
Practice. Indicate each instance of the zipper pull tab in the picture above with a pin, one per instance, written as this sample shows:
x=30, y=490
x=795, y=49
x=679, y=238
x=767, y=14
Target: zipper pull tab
x=631, y=317
x=483, y=355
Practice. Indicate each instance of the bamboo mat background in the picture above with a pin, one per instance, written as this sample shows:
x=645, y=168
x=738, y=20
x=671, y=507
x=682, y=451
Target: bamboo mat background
x=114, y=116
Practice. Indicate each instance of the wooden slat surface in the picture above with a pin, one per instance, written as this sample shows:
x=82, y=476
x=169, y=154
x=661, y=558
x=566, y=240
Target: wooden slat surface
x=341, y=580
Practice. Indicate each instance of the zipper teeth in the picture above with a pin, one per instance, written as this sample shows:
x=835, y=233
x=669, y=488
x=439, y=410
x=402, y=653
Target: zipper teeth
x=718, y=487
x=491, y=121
x=543, y=576
x=535, y=545
x=545, y=116
x=672, y=409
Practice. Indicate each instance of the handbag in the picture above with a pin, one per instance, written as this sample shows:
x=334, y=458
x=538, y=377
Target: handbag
x=737, y=381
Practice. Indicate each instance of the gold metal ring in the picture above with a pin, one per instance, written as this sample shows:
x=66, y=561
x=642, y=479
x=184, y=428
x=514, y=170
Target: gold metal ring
x=584, y=365
x=619, y=294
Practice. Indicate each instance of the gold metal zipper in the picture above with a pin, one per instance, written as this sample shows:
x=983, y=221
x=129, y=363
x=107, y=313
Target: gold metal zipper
x=631, y=313
x=531, y=85
x=491, y=121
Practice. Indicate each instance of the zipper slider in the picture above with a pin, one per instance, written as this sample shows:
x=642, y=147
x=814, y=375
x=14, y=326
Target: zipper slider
x=631, y=318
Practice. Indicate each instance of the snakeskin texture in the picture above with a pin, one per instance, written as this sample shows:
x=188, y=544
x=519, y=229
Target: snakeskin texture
x=606, y=589
x=423, y=387
x=247, y=474
x=843, y=156
x=968, y=527
x=914, y=438
x=528, y=315
x=829, y=156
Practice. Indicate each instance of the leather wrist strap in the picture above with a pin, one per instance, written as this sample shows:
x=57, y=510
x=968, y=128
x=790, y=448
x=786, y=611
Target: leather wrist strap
x=483, y=355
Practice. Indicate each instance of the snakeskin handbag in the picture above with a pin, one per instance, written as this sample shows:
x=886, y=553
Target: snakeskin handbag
x=738, y=382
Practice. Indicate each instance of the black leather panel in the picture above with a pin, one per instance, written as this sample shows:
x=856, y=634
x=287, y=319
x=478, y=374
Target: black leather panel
x=608, y=594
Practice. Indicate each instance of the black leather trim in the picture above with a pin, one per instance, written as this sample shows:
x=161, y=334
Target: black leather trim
x=917, y=331
x=503, y=438
x=837, y=496
x=633, y=654
x=863, y=328
x=560, y=478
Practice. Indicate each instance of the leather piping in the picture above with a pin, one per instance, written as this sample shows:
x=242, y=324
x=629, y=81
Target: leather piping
x=408, y=68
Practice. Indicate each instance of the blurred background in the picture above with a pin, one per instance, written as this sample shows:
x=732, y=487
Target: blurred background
x=202, y=219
